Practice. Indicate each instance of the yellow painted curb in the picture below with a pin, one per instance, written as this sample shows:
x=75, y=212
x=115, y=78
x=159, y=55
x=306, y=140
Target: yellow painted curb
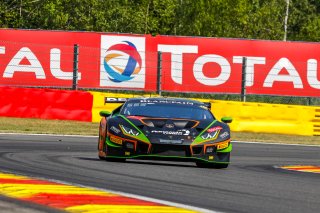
x=77, y=199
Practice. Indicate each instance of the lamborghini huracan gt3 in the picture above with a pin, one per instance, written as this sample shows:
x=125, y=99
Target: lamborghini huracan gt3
x=164, y=129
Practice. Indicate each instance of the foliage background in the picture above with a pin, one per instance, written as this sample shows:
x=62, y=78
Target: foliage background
x=252, y=19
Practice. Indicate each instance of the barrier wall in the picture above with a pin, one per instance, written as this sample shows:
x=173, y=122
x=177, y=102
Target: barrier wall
x=247, y=117
x=85, y=106
x=45, y=104
x=269, y=118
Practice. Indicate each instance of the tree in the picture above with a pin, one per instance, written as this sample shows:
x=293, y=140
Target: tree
x=252, y=19
x=304, y=20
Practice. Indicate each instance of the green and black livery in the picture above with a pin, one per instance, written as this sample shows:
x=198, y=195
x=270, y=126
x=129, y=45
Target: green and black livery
x=164, y=129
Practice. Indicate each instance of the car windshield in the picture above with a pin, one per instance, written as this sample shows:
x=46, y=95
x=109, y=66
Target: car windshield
x=166, y=111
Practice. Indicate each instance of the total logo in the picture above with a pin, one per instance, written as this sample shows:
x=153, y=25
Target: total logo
x=122, y=61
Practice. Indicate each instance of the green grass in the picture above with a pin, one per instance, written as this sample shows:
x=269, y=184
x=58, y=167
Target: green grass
x=40, y=126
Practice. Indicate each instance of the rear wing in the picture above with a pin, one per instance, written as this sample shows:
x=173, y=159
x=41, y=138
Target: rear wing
x=114, y=100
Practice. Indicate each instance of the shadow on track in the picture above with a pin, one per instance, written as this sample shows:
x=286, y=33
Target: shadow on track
x=143, y=162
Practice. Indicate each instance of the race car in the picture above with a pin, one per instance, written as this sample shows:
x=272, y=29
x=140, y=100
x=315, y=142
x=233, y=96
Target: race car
x=164, y=129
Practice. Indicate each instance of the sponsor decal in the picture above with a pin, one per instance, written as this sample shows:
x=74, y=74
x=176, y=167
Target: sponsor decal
x=115, y=100
x=224, y=135
x=171, y=141
x=165, y=132
x=166, y=102
x=122, y=61
x=186, y=132
x=115, y=129
x=213, y=129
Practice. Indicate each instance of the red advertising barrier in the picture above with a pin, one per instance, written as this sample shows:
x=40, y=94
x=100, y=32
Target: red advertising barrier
x=215, y=65
x=45, y=104
x=45, y=58
x=189, y=64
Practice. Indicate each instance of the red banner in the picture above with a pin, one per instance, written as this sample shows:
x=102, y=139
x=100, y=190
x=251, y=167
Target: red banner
x=189, y=64
x=45, y=58
x=215, y=65
x=46, y=104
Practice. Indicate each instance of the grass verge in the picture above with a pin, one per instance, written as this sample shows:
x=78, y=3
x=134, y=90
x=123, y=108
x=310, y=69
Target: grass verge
x=40, y=126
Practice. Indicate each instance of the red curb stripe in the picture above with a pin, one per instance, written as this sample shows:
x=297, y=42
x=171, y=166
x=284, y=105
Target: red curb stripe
x=301, y=167
x=65, y=201
x=297, y=169
x=75, y=199
x=311, y=169
x=26, y=181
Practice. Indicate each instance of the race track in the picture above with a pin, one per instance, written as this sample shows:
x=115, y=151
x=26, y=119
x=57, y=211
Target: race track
x=252, y=183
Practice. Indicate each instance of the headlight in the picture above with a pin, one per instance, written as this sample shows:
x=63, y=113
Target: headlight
x=222, y=145
x=210, y=135
x=129, y=131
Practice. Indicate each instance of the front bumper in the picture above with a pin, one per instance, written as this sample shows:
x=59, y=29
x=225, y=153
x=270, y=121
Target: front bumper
x=170, y=152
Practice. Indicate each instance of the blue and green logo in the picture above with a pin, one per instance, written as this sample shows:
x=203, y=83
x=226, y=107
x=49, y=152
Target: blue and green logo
x=122, y=62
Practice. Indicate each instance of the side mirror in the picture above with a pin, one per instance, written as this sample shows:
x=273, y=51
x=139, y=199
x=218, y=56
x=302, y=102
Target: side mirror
x=226, y=120
x=104, y=113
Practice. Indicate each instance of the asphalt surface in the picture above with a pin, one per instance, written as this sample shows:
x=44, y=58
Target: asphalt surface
x=252, y=183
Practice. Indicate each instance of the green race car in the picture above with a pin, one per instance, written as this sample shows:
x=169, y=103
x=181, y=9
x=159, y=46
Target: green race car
x=164, y=129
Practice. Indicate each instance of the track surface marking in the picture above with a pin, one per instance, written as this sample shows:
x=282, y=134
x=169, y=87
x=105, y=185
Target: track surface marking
x=250, y=184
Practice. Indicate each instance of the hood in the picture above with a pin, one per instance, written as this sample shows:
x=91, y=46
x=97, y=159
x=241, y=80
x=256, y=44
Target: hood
x=168, y=130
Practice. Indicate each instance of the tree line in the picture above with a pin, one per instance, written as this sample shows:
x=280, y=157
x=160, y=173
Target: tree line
x=250, y=19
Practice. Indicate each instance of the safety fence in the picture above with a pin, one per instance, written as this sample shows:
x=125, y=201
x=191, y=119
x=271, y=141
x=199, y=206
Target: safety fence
x=85, y=106
x=247, y=70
